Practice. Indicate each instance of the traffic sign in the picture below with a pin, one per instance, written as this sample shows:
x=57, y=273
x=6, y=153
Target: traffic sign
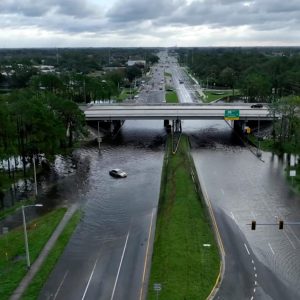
x=232, y=114
x=157, y=287
x=292, y=173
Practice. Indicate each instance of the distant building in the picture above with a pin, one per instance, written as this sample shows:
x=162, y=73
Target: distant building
x=131, y=63
x=44, y=69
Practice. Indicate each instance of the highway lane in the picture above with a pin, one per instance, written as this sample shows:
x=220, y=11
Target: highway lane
x=108, y=256
x=242, y=188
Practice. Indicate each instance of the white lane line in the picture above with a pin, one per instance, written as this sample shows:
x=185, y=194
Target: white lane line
x=289, y=240
x=252, y=298
x=255, y=283
x=59, y=287
x=146, y=256
x=254, y=290
x=271, y=248
x=113, y=292
x=252, y=261
x=232, y=216
x=255, y=275
x=254, y=268
x=92, y=273
x=247, y=249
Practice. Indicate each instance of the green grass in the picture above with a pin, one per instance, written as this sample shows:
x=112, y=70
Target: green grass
x=168, y=74
x=12, y=249
x=40, y=278
x=171, y=97
x=265, y=145
x=126, y=93
x=184, y=267
x=215, y=95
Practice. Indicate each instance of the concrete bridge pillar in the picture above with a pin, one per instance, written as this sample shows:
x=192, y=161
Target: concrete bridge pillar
x=239, y=126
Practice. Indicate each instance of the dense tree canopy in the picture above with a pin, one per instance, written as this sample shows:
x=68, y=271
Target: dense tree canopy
x=33, y=123
x=259, y=73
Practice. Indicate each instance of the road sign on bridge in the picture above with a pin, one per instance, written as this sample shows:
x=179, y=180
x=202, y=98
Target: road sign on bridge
x=232, y=114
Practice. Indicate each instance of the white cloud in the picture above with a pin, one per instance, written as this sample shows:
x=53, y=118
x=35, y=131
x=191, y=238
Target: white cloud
x=34, y=23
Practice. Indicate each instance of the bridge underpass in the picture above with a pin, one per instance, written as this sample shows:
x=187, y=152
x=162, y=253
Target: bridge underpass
x=115, y=115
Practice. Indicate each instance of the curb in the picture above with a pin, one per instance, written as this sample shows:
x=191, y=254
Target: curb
x=202, y=191
x=35, y=267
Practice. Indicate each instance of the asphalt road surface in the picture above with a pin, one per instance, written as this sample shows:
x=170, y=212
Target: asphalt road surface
x=260, y=264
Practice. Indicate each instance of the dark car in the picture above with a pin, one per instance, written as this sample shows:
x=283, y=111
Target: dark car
x=257, y=105
x=117, y=173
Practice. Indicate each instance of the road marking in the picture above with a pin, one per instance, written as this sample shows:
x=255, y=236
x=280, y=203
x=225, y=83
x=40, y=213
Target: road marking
x=146, y=256
x=254, y=290
x=87, y=286
x=247, y=249
x=113, y=292
x=253, y=215
x=232, y=216
x=271, y=248
x=59, y=287
x=255, y=283
x=222, y=191
x=252, y=261
x=289, y=240
x=254, y=268
x=255, y=275
x=252, y=298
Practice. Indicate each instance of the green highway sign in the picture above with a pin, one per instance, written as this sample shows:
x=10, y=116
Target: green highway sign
x=232, y=114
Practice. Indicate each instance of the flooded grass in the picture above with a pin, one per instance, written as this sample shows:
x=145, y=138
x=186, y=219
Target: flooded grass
x=185, y=268
x=12, y=249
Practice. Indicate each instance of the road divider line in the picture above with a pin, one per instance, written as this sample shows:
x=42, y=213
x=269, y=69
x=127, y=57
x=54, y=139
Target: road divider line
x=146, y=256
x=233, y=218
x=271, y=248
x=113, y=292
x=289, y=240
x=61, y=283
x=247, y=249
x=87, y=286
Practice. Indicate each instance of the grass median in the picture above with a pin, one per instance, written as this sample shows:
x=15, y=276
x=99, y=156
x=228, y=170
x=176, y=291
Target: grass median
x=12, y=249
x=185, y=258
x=171, y=97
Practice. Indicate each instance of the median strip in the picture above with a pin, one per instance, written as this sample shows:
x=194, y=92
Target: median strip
x=181, y=264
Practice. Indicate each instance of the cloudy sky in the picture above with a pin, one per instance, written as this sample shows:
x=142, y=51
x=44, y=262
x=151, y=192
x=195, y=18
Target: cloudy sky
x=127, y=23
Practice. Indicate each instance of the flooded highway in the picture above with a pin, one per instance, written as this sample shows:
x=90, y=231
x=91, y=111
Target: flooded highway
x=265, y=263
x=107, y=257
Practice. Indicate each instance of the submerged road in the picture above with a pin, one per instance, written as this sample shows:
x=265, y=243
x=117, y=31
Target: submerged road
x=261, y=264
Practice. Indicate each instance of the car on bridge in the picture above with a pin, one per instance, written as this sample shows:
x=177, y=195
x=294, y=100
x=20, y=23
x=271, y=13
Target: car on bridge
x=117, y=173
x=257, y=105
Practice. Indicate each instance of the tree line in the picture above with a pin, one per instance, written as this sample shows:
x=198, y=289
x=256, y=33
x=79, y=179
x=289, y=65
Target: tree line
x=37, y=123
x=259, y=73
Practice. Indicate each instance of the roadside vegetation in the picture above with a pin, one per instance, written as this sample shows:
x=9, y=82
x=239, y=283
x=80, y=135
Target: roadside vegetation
x=42, y=275
x=12, y=249
x=171, y=97
x=216, y=95
x=181, y=263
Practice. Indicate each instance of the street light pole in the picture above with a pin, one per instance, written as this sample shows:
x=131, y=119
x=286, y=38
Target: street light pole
x=34, y=174
x=25, y=232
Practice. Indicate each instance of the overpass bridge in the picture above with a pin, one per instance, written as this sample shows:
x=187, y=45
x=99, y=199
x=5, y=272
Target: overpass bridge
x=114, y=112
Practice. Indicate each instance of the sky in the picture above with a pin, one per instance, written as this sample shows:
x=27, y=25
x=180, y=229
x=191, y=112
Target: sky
x=148, y=23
